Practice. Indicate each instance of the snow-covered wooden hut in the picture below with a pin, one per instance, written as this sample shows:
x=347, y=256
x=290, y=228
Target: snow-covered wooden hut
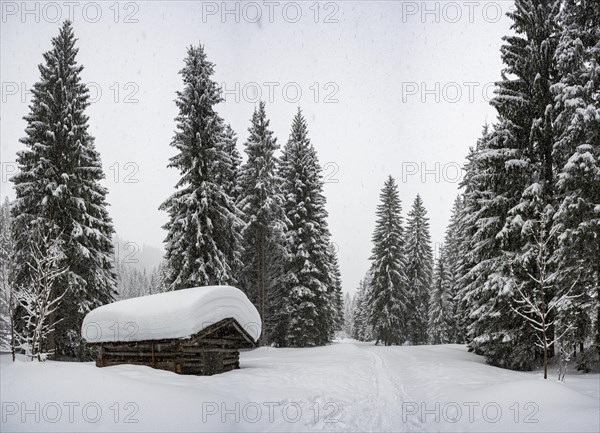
x=191, y=331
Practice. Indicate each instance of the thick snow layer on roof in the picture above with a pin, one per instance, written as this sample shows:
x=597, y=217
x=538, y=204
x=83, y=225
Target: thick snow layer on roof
x=176, y=314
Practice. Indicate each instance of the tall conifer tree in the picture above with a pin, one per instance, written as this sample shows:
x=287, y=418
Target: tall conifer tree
x=454, y=256
x=261, y=203
x=307, y=270
x=387, y=300
x=202, y=243
x=440, y=303
x=419, y=262
x=59, y=195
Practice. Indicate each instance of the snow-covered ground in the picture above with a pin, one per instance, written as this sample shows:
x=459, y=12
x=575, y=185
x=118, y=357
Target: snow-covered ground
x=347, y=386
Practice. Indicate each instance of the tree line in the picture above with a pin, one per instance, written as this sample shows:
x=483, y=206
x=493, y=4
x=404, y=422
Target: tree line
x=261, y=225
x=518, y=278
x=391, y=303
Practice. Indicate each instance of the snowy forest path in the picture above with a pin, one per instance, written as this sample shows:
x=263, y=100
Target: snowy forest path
x=388, y=394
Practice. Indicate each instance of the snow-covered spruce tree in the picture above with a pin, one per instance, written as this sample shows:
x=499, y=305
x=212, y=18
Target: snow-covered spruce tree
x=387, y=299
x=471, y=205
x=577, y=224
x=305, y=311
x=576, y=93
x=261, y=204
x=58, y=193
x=360, y=326
x=132, y=283
x=482, y=295
x=231, y=169
x=577, y=158
x=439, y=326
x=157, y=278
x=203, y=228
x=419, y=269
x=495, y=330
x=454, y=264
x=349, y=306
x=335, y=302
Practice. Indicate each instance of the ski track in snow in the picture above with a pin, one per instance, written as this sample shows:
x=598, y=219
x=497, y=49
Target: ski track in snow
x=390, y=395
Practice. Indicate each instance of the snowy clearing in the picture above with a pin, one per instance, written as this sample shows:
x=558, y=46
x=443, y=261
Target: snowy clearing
x=347, y=386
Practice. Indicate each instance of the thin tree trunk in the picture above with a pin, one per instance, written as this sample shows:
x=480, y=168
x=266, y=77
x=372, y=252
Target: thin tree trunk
x=263, y=265
x=11, y=317
x=261, y=286
x=542, y=262
x=545, y=355
x=8, y=293
x=597, y=338
x=12, y=338
x=259, y=291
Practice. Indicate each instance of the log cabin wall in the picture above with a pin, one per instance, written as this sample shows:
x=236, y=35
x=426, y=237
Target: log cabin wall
x=210, y=351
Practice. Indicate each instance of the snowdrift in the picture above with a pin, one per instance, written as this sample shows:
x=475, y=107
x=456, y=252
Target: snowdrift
x=177, y=314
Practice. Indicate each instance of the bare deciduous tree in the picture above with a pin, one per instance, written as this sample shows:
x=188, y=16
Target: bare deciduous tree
x=39, y=298
x=539, y=306
x=7, y=303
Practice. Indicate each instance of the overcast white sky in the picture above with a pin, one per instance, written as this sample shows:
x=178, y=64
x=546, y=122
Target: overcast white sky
x=374, y=58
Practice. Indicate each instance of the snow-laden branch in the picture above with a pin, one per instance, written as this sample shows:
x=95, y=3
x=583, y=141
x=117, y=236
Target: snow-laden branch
x=38, y=297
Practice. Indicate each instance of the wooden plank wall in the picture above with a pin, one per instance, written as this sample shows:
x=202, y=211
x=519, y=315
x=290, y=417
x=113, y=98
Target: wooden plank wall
x=213, y=350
